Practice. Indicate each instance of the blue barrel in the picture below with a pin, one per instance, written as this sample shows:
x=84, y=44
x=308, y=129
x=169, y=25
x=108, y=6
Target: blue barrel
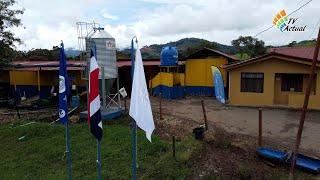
x=75, y=101
x=169, y=56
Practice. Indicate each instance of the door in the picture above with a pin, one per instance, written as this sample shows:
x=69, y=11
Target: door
x=280, y=97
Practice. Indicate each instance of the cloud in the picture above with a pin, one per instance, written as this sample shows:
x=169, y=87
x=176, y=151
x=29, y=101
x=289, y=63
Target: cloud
x=161, y=21
x=109, y=16
x=220, y=21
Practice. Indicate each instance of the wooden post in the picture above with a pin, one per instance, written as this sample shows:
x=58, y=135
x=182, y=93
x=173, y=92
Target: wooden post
x=14, y=80
x=160, y=106
x=125, y=104
x=305, y=104
x=204, y=115
x=18, y=112
x=38, y=79
x=260, y=127
x=174, y=146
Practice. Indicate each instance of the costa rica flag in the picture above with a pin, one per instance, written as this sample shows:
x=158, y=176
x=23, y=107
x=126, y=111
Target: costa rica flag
x=94, y=113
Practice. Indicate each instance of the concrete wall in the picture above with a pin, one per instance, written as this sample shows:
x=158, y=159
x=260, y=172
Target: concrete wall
x=270, y=67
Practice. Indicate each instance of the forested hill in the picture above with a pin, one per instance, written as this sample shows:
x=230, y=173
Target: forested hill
x=185, y=47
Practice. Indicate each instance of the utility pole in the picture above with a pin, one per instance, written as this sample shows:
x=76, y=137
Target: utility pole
x=305, y=104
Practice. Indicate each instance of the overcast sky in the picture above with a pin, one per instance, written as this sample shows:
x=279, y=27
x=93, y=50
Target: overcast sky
x=46, y=22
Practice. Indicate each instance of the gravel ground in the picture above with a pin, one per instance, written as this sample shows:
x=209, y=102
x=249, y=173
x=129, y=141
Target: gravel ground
x=279, y=125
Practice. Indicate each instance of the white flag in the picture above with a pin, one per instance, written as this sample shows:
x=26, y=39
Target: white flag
x=140, y=108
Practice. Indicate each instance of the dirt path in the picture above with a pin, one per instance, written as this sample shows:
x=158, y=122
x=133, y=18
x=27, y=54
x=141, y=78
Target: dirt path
x=10, y=115
x=278, y=124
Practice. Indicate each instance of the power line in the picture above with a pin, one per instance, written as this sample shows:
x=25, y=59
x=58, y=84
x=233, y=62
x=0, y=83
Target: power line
x=288, y=15
x=263, y=31
x=300, y=7
x=310, y=51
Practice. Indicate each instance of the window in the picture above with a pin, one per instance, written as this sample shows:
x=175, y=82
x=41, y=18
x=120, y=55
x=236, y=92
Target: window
x=252, y=82
x=292, y=82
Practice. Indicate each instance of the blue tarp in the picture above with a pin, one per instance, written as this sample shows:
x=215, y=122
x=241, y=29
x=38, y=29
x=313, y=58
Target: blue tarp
x=30, y=91
x=26, y=90
x=178, y=92
x=175, y=92
x=199, y=91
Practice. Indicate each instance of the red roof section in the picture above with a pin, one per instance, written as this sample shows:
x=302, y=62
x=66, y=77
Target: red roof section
x=145, y=63
x=223, y=54
x=47, y=63
x=74, y=65
x=296, y=52
x=205, y=49
x=152, y=62
x=300, y=53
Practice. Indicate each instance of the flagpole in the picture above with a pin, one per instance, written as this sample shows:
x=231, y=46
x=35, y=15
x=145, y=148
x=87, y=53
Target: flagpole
x=103, y=108
x=63, y=105
x=68, y=152
x=133, y=122
x=99, y=159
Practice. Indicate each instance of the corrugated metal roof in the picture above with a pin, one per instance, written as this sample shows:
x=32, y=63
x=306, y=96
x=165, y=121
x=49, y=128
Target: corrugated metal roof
x=298, y=52
x=207, y=51
x=46, y=63
x=153, y=62
x=303, y=53
x=74, y=65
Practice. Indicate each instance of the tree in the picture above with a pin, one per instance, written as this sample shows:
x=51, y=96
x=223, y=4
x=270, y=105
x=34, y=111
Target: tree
x=292, y=44
x=8, y=19
x=249, y=46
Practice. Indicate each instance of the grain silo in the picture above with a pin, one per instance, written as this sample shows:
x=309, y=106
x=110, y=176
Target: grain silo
x=105, y=51
x=104, y=46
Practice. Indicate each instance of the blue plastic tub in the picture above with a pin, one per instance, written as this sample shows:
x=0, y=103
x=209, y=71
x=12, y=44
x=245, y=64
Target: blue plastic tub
x=272, y=155
x=307, y=163
x=302, y=162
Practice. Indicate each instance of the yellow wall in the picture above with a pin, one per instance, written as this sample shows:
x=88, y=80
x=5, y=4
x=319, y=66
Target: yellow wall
x=23, y=78
x=198, y=71
x=178, y=79
x=270, y=67
x=163, y=78
x=47, y=78
x=168, y=79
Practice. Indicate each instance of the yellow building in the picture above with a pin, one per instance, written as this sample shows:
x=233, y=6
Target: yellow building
x=193, y=76
x=278, y=78
x=30, y=78
x=198, y=75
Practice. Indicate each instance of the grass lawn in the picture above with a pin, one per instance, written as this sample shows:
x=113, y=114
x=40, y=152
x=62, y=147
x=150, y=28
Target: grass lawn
x=40, y=155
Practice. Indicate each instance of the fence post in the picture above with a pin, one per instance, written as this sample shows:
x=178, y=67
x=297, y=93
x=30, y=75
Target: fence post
x=174, y=146
x=204, y=115
x=125, y=104
x=260, y=127
x=160, y=106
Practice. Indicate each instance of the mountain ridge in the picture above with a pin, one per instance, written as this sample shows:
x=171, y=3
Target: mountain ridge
x=185, y=47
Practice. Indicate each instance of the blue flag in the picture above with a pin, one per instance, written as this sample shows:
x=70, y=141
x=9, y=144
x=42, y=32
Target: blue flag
x=63, y=87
